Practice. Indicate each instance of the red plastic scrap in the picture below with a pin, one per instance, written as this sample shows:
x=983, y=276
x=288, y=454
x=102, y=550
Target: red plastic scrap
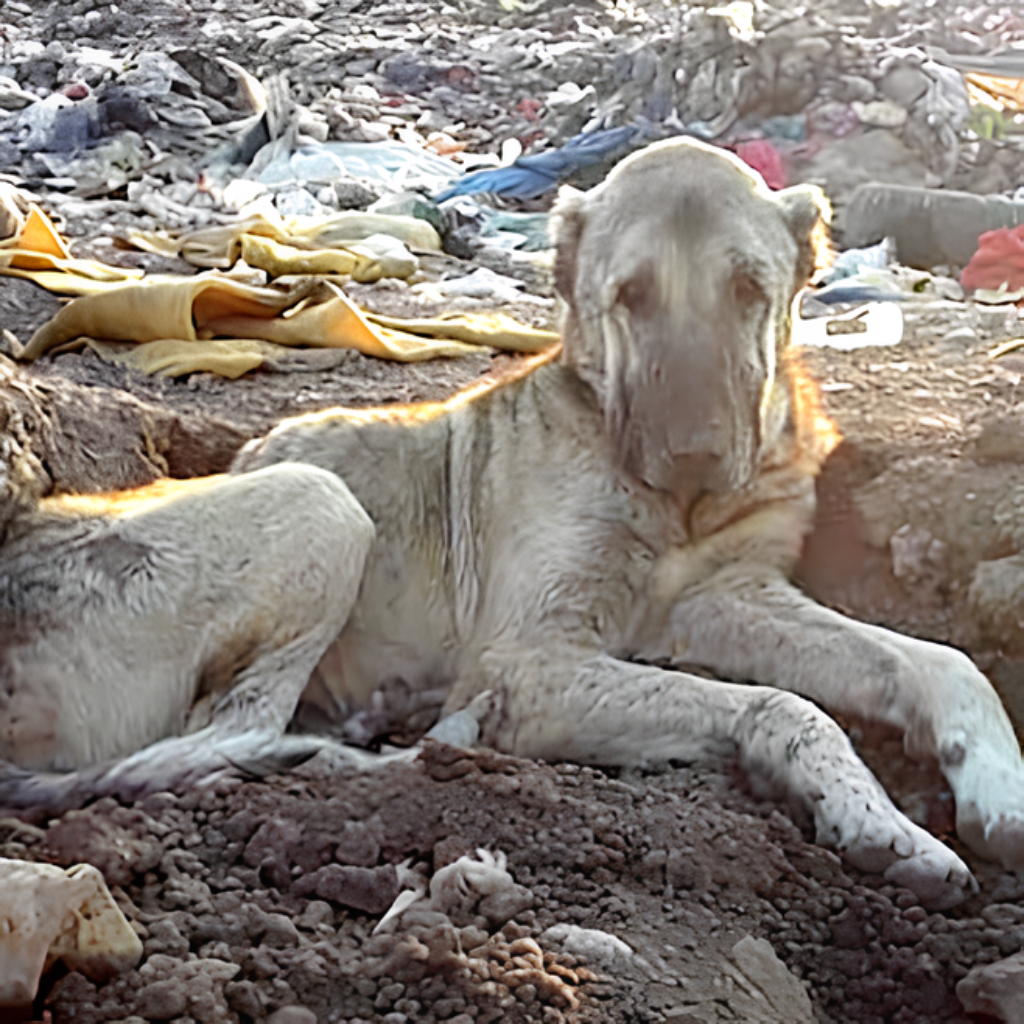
x=530, y=108
x=999, y=260
x=765, y=159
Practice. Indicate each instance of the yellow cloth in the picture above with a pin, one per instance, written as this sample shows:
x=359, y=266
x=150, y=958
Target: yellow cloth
x=220, y=247
x=494, y=329
x=278, y=259
x=1007, y=93
x=40, y=254
x=175, y=321
x=173, y=358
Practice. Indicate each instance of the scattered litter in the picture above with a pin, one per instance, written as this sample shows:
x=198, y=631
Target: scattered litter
x=1006, y=347
x=881, y=285
x=530, y=177
x=875, y=324
x=852, y=262
x=393, y=164
x=482, y=283
x=765, y=159
x=1001, y=296
x=998, y=263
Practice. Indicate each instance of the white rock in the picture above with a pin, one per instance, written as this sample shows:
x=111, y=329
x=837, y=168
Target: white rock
x=995, y=989
x=783, y=991
x=597, y=948
x=49, y=914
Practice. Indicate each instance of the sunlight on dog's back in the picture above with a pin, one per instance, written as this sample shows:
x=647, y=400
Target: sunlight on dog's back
x=127, y=503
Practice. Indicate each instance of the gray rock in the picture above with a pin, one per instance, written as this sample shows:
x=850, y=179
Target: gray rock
x=164, y=999
x=995, y=989
x=292, y=1015
x=281, y=932
x=757, y=960
x=930, y=226
x=369, y=890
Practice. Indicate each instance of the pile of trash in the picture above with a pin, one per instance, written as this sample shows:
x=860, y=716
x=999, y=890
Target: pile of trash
x=393, y=107
x=396, y=142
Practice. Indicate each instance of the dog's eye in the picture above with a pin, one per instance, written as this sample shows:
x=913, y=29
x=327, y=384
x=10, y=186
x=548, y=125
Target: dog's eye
x=747, y=291
x=638, y=294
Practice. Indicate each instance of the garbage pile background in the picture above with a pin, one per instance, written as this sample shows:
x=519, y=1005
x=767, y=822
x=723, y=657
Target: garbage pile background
x=848, y=92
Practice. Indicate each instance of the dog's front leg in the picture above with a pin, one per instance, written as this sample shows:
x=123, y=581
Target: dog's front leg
x=601, y=710
x=767, y=631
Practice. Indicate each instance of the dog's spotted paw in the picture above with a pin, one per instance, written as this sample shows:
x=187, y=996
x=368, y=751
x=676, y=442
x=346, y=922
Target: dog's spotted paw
x=874, y=836
x=933, y=872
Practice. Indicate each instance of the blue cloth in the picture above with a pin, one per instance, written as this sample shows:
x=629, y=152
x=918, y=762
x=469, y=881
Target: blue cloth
x=531, y=176
x=841, y=291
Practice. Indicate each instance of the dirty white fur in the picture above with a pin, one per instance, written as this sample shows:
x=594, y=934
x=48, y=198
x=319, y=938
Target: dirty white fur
x=538, y=546
x=173, y=627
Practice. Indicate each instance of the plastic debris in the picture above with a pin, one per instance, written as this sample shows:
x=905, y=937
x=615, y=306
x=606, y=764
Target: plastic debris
x=765, y=159
x=864, y=286
x=855, y=261
x=530, y=177
x=483, y=283
x=868, y=326
x=398, y=166
x=998, y=263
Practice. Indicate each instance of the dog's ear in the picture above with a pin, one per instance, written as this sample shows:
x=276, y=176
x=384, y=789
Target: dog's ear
x=567, y=221
x=808, y=213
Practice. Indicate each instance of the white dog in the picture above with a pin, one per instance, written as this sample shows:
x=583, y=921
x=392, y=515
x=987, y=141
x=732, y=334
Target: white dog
x=533, y=549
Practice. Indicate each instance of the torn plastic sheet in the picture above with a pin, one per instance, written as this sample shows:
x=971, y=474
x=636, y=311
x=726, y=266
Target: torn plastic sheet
x=394, y=164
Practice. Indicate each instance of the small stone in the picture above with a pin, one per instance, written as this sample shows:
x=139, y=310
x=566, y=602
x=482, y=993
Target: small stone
x=164, y=999
x=366, y=889
x=292, y=1015
x=243, y=997
x=960, y=334
x=281, y=932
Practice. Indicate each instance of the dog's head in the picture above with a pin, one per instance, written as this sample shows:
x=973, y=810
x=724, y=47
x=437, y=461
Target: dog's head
x=679, y=272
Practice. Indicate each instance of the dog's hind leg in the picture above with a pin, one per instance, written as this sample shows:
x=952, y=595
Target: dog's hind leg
x=227, y=591
x=606, y=711
x=767, y=631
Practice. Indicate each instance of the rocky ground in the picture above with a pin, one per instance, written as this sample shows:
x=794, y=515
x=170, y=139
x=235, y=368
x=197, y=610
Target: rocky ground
x=632, y=896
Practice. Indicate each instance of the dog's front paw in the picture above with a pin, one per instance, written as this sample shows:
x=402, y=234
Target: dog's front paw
x=933, y=872
x=990, y=809
x=874, y=836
